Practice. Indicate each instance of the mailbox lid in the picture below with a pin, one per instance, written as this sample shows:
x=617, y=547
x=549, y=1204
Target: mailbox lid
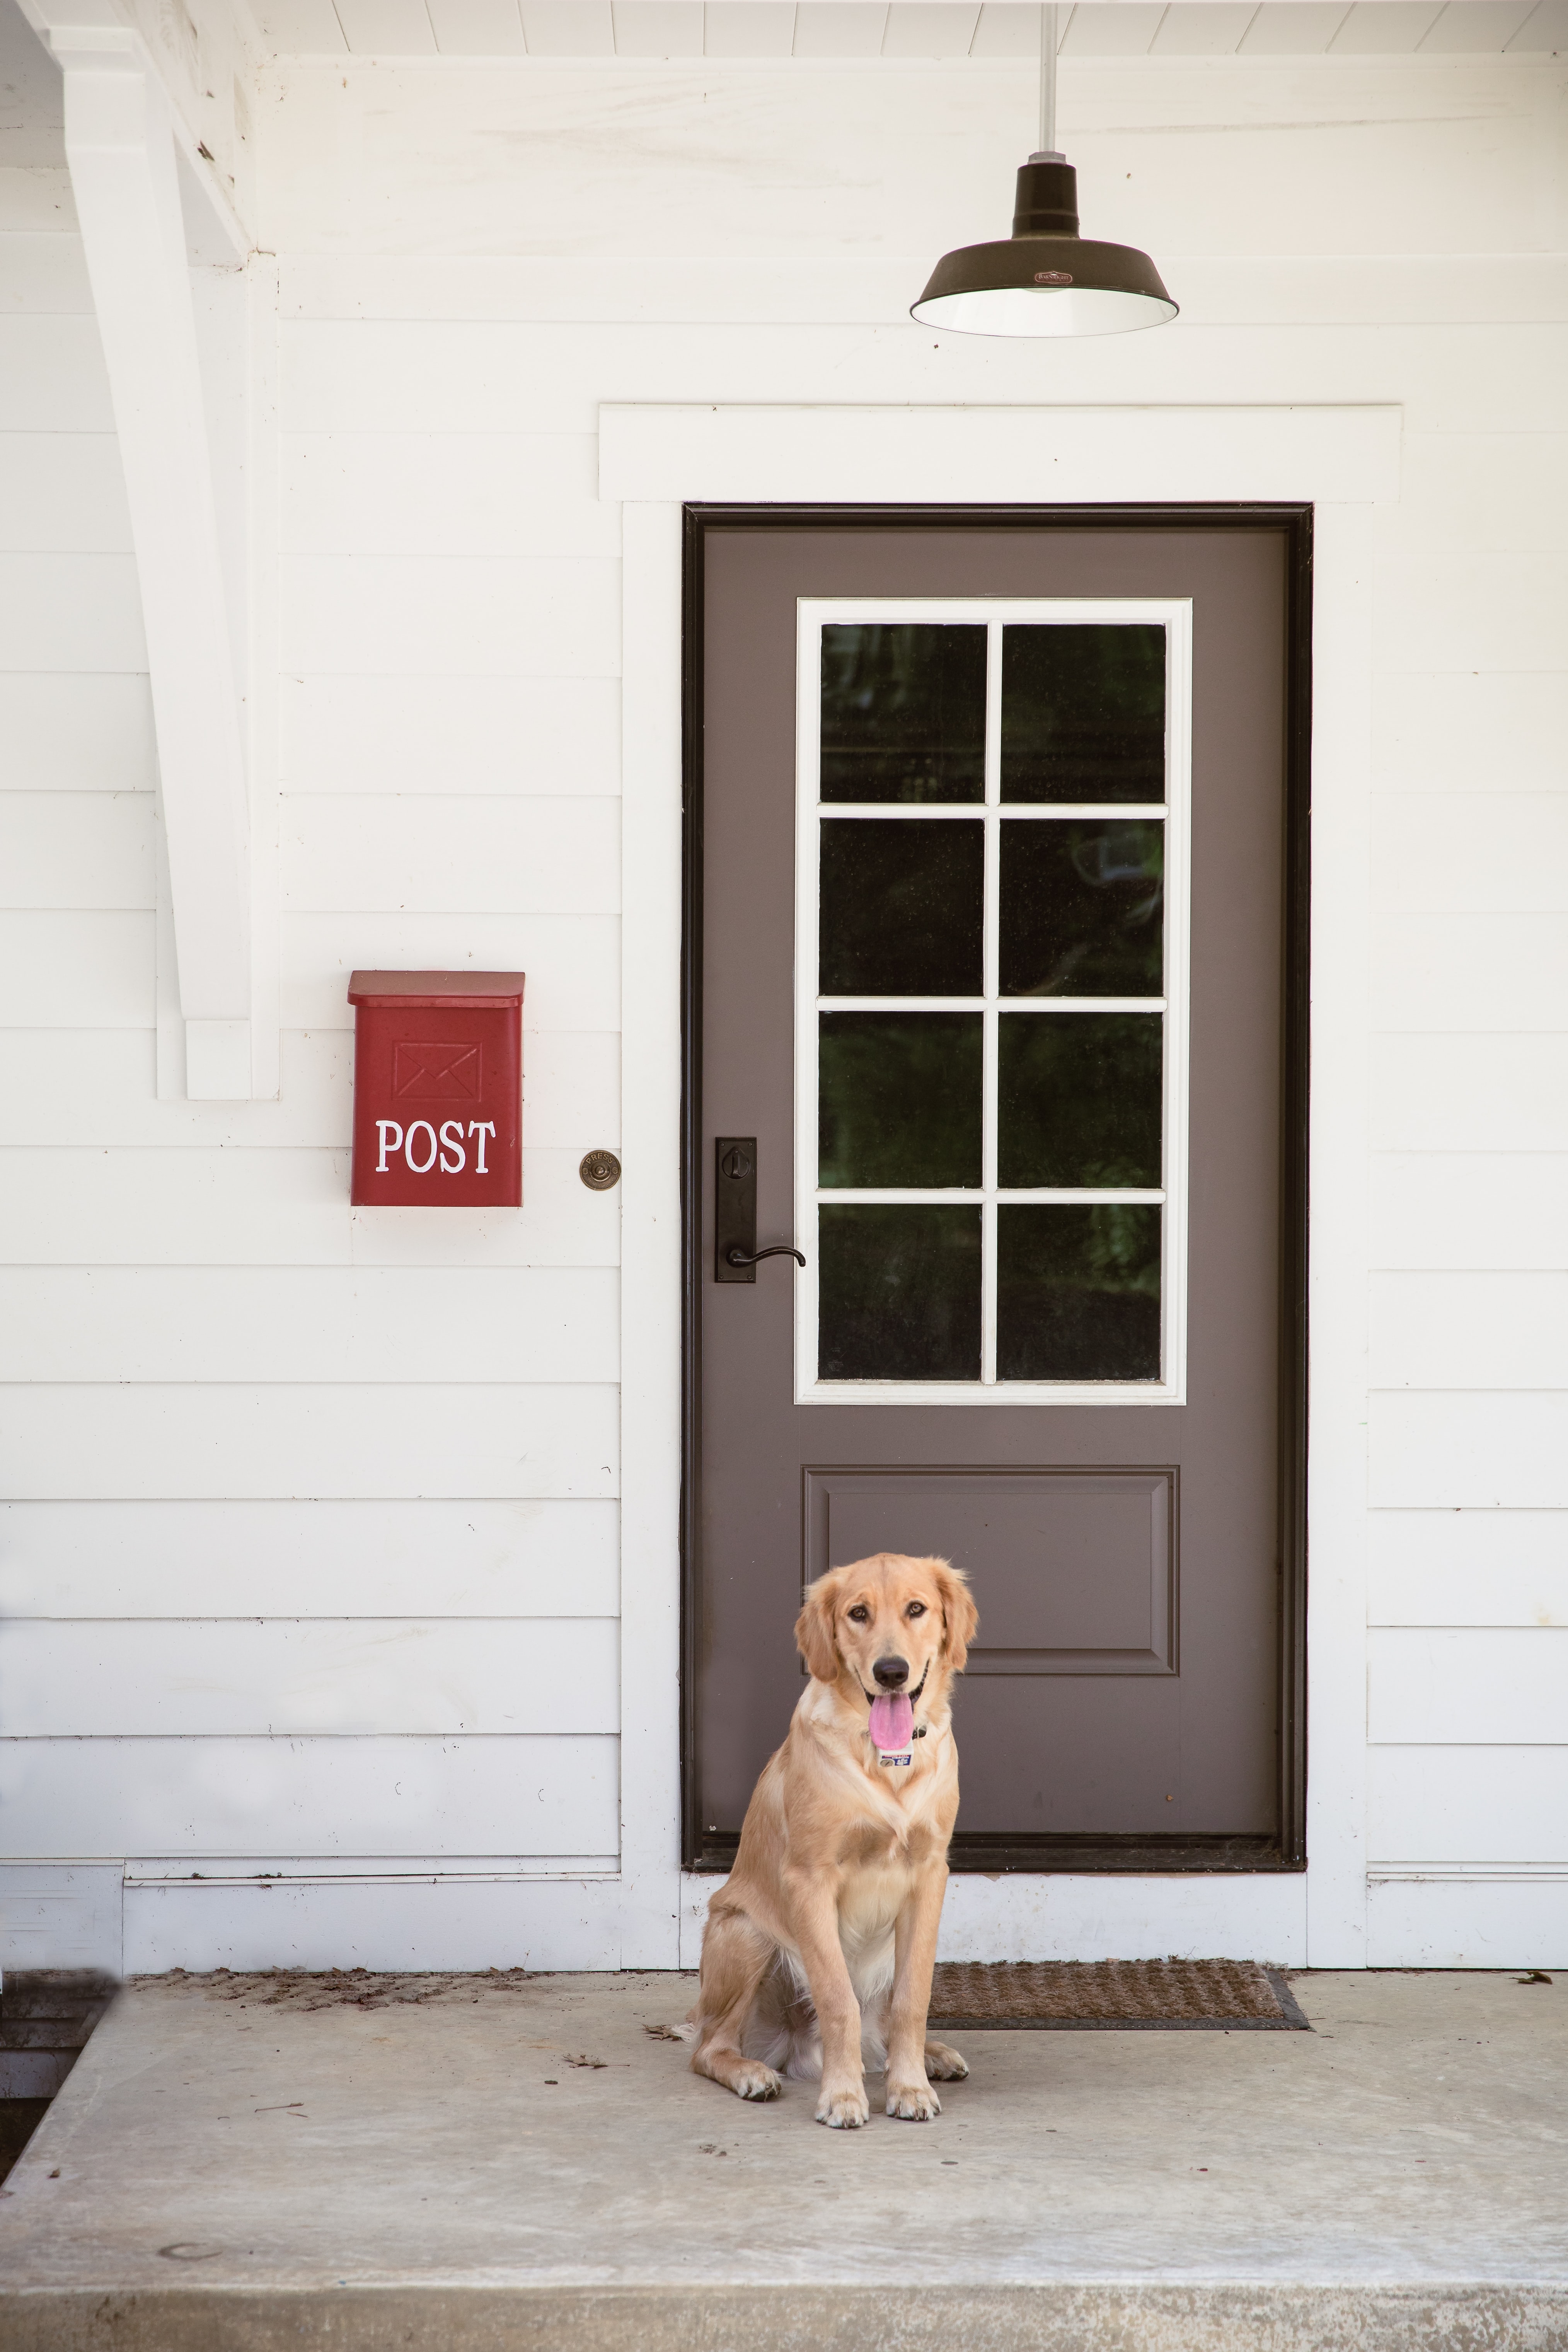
x=456, y=991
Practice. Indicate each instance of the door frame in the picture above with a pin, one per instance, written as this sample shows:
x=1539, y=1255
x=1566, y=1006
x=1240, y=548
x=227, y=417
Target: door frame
x=1055, y=1854
x=1346, y=458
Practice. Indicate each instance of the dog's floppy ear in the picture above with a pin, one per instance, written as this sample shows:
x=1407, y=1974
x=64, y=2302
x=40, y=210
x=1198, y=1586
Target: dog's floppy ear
x=960, y=1614
x=813, y=1629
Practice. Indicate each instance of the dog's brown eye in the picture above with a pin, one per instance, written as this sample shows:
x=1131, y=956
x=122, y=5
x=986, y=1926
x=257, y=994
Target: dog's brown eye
x=859, y=1614
x=916, y=1609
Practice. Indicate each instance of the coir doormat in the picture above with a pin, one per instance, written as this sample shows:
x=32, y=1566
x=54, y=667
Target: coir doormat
x=1114, y=1996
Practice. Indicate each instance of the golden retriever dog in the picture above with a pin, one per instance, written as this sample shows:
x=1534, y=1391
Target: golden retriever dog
x=817, y=1955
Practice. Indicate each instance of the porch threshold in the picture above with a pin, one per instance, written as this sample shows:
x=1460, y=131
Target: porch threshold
x=252, y=2166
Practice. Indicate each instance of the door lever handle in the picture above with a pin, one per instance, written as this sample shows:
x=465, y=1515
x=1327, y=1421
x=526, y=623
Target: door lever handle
x=736, y=1256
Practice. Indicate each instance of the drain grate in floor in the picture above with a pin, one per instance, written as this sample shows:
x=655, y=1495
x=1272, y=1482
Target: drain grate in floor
x=1227, y=1996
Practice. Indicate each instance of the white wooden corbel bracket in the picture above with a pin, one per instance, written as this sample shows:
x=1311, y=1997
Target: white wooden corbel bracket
x=119, y=144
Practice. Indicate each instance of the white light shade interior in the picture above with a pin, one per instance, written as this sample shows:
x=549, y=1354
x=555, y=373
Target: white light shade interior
x=1043, y=310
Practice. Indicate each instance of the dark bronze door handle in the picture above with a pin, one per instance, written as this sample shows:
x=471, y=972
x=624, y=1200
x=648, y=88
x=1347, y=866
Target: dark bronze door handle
x=736, y=1256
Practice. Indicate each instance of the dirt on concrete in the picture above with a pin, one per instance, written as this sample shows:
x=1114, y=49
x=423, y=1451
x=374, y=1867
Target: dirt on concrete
x=344, y=1988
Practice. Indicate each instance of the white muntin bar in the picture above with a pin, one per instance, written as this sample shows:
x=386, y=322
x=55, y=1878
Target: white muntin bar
x=900, y=1004
x=1006, y=1196
x=974, y=811
x=904, y=812
x=978, y=1004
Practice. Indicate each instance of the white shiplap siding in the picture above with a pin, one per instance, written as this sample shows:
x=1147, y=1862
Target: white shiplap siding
x=313, y=1559
x=311, y=1548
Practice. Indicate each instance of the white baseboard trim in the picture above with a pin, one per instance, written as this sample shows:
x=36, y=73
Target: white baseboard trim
x=60, y=1914
x=1473, y=1920
x=1022, y=1916
x=453, y=1921
x=96, y=1915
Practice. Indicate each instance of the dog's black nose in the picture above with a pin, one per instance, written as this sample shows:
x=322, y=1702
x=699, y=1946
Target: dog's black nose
x=891, y=1674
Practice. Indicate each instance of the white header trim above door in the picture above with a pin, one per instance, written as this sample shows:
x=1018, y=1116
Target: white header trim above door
x=1344, y=459
x=1001, y=456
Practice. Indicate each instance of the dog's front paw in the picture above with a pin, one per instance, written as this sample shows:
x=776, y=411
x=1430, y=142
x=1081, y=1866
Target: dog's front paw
x=913, y=2103
x=843, y=2110
x=945, y=2065
x=752, y=2080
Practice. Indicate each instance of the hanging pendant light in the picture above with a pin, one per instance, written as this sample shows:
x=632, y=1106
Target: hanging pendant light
x=1045, y=280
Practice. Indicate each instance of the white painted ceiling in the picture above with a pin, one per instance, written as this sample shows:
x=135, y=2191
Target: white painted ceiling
x=911, y=28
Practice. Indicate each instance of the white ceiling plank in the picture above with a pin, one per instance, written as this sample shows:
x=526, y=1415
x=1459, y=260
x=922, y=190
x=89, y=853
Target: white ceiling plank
x=911, y=28
x=1007, y=30
x=477, y=29
x=1545, y=31
x=387, y=28
x=840, y=28
x=301, y=28
x=749, y=29
x=658, y=28
x=1474, y=28
x=568, y=28
x=1385, y=29
x=1202, y=28
x=1293, y=29
x=1113, y=28
x=931, y=29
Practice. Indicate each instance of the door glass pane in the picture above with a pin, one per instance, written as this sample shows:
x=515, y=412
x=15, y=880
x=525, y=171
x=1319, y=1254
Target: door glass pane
x=900, y=1099
x=1083, y=712
x=1083, y=906
x=903, y=711
x=903, y=907
x=899, y=1293
x=1077, y=1293
x=982, y=885
x=1078, y=1099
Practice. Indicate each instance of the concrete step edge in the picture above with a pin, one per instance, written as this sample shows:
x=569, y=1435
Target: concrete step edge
x=1055, y=2316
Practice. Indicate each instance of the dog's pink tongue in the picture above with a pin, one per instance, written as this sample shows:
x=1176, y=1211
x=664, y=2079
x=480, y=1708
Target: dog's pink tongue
x=892, y=1720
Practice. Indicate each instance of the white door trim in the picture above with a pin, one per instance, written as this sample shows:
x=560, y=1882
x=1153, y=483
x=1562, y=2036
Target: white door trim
x=1174, y=616
x=1345, y=460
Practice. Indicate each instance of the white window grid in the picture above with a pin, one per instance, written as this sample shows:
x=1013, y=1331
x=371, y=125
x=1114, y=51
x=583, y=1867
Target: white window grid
x=1174, y=615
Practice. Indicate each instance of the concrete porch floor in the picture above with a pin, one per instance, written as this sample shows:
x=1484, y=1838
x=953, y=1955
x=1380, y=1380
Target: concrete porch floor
x=223, y=2173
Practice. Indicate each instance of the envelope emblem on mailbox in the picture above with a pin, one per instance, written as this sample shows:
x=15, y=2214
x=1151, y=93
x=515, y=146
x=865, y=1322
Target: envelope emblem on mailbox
x=425, y=1072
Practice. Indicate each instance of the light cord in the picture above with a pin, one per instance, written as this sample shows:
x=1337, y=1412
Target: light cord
x=1049, y=36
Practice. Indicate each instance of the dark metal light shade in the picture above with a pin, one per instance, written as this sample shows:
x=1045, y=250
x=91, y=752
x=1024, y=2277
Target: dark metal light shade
x=1045, y=280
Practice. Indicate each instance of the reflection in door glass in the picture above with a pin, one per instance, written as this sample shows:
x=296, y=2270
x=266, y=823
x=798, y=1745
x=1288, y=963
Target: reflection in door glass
x=1083, y=908
x=1077, y=1293
x=1083, y=712
x=903, y=711
x=899, y=1293
x=903, y=907
x=1078, y=1100
x=900, y=1099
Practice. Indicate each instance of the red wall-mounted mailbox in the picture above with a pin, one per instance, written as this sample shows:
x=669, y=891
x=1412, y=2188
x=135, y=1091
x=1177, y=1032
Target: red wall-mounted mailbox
x=437, y=1089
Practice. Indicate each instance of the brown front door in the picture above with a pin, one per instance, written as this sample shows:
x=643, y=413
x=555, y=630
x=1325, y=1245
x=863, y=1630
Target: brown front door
x=993, y=907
